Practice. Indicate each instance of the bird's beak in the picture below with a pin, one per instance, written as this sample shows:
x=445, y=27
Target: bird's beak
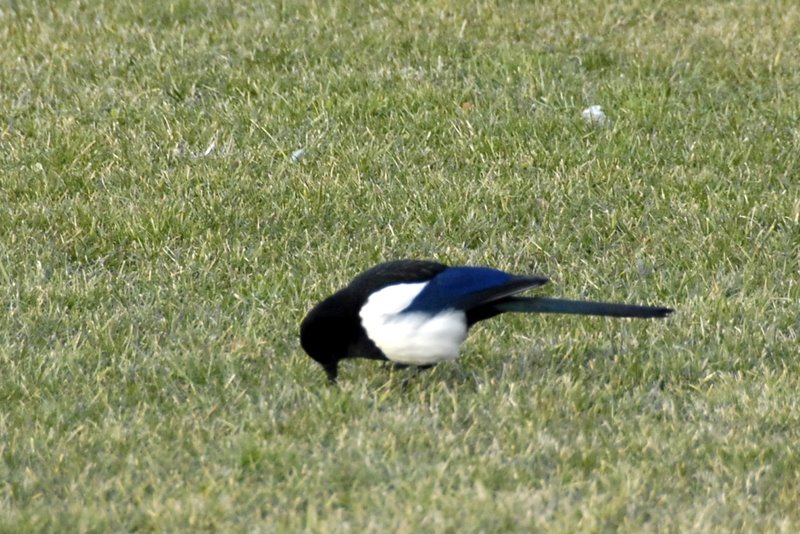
x=332, y=371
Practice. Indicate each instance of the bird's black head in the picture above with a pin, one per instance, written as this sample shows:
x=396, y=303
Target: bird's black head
x=328, y=331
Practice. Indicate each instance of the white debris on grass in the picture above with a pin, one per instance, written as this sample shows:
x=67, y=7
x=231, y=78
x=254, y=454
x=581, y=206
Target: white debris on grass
x=298, y=154
x=210, y=148
x=594, y=115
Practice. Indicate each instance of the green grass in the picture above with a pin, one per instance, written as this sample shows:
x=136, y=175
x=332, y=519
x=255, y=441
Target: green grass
x=158, y=248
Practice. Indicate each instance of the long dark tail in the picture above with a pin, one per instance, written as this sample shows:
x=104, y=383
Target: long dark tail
x=579, y=307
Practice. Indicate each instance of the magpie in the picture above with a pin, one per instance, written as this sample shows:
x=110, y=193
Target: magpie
x=417, y=313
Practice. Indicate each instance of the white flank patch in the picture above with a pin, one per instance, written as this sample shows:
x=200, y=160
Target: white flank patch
x=415, y=338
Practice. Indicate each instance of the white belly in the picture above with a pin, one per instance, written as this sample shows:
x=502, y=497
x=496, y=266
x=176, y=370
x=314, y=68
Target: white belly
x=414, y=338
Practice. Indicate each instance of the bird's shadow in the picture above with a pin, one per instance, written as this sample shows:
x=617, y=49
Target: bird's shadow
x=473, y=371
x=407, y=379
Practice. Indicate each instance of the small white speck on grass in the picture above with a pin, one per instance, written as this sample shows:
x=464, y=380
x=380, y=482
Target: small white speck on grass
x=643, y=269
x=298, y=154
x=210, y=148
x=594, y=115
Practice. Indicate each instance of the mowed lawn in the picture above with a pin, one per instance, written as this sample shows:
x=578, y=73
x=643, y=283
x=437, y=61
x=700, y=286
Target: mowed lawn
x=181, y=181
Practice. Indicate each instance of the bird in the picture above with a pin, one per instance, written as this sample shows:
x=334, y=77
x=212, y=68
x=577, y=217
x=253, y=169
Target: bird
x=418, y=312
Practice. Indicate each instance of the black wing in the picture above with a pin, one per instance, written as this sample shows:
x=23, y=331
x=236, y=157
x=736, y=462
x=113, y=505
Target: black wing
x=395, y=272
